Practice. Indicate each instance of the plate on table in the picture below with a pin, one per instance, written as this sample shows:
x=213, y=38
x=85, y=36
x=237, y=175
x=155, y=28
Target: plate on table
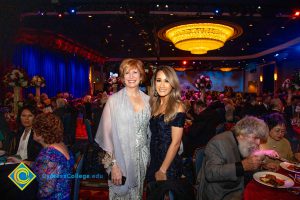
x=2, y=152
x=273, y=179
x=290, y=167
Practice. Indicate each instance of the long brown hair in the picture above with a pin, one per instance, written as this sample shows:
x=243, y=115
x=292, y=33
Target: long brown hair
x=174, y=98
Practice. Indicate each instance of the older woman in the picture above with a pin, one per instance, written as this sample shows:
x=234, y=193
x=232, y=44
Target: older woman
x=277, y=141
x=54, y=158
x=123, y=134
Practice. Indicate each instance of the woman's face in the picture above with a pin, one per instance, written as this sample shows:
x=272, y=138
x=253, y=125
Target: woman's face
x=278, y=132
x=162, y=84
x=27, y=118
x=132, y=78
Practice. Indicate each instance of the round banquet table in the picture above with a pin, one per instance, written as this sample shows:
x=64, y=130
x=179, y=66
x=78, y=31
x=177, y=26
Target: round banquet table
x=257, y=191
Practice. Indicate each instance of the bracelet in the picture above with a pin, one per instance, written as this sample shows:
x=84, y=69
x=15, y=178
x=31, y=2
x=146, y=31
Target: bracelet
x=163, y=171
x=113, y=162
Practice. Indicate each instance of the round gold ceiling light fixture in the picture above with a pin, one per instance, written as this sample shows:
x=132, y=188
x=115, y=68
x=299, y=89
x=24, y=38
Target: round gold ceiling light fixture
x=200, y=36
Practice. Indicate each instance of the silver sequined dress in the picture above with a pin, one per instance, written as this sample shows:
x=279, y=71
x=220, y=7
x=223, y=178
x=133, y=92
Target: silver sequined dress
x=141, y=121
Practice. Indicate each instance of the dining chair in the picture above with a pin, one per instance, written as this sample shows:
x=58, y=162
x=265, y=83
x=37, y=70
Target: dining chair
x=77, y=170
x=198, y=158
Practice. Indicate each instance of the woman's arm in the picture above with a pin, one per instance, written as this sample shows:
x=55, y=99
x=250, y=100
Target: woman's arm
x=171, y=153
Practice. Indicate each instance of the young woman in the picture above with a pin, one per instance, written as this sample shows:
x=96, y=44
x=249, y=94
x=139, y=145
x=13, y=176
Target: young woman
x=166, y=124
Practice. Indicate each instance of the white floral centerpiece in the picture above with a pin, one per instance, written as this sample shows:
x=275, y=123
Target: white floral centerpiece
x=16, y=78
x=38, y=81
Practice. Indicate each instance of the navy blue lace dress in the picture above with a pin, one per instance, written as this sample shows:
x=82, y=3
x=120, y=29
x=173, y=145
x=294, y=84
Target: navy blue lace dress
x=161, y=139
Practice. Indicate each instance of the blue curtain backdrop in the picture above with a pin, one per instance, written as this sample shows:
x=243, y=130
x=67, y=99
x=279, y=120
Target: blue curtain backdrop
x=62, y=72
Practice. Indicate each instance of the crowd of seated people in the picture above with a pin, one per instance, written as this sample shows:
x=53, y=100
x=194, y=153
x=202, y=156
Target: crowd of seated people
x=211, y=113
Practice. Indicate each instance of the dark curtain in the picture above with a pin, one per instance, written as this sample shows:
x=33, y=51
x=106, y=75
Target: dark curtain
x=268, y=74
x=62, y=72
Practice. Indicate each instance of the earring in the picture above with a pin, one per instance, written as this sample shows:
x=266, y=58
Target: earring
x=155, y=93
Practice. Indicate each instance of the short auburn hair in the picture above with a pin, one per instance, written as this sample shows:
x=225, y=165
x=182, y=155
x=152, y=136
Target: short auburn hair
x=130, y=63
x=49, y=126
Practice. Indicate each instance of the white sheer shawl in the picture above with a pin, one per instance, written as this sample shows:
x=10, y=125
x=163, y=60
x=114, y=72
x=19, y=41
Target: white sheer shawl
x=116, y=135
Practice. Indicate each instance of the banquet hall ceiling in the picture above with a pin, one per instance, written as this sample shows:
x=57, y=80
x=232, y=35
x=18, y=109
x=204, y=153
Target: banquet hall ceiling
x=121, y=29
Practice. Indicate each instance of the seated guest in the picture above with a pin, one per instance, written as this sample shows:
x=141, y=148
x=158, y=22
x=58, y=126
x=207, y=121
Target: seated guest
x=277, y=141
x=26, y=148
x=54, y=158
x=228, y=156
x=202, y=129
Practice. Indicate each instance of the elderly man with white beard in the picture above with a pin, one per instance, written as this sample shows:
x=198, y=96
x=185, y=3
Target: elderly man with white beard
x=228, y=156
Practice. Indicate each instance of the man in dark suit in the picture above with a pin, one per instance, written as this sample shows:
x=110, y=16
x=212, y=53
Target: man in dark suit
x=202, y=129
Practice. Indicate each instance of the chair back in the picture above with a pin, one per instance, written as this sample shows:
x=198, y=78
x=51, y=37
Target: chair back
x=198, y=155
x=67, y=128
x=89, y=131
x=77, y=169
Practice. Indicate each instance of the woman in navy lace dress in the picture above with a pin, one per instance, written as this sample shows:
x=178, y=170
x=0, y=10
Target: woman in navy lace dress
x=166, y=124
x=54, y=164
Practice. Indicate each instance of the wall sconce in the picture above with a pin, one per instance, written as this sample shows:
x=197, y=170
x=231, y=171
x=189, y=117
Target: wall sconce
x=275, y=76
x=260, y=78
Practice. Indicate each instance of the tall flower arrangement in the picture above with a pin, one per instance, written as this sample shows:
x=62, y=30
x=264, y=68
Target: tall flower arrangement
x=38, y=81
x=293, y=82
x=203, y=82
x=16, y=78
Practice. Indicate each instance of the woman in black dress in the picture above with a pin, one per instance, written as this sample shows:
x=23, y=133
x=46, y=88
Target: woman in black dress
x=166, y=124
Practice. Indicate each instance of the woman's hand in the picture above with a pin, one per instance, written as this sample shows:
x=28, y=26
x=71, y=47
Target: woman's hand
x=116, y=175
x=13, y=159
x=160, y=176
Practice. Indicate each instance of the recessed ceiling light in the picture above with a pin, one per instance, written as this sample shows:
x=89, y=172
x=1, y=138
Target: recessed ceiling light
x=108, y=26
x=129, y=50
x=258, y=7
x=171, y=14
x=211, y=17
x=166, y=6
x=248, y=44
x=259, y=39
x=282, y=27
x=242, y=49
x=130, y=17
x=173, y=49
x=268, y=34
x=250, y=25
x=157, y=5
x=122, y=40
x=90, y=16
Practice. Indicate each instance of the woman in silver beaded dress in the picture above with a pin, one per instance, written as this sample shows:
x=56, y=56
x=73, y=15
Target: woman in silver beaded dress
x=124, y=134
